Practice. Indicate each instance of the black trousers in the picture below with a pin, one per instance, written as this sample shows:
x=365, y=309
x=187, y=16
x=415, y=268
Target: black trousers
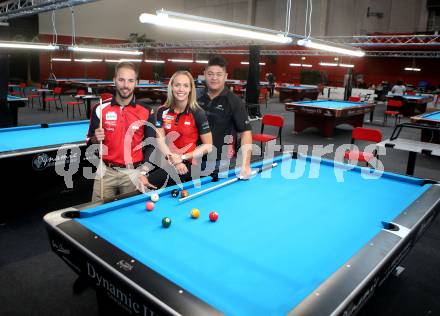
x=160, y=178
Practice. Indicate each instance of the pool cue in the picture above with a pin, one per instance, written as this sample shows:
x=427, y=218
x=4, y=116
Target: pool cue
x=220, y=185
x=100, y=151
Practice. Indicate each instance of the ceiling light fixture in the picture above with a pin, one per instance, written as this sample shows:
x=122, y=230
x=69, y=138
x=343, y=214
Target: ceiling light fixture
x=181, y=60
x=104, y=50
x=200, y=24
x=61, y=59
x=346, y=65
x=87, y=60
x=154, y=61
x=328, y=64
x=247, y=63
x=24, y=45
x=330, y=48
x=301, y=65
x=412, y=69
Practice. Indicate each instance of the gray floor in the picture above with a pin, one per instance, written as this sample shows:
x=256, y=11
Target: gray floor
x=36, y=282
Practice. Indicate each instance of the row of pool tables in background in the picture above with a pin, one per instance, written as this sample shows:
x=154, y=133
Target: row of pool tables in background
x=308, y=246
x=153, y=91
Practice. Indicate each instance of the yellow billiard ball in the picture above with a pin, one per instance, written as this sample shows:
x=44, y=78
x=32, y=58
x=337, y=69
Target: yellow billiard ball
x=195, y=213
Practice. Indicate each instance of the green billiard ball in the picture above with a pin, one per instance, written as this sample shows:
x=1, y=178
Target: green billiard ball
x=166, y=222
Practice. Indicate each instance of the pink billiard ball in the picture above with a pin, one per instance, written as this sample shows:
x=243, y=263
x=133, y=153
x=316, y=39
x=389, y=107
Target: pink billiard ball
x=213, y=216
x=149, y=206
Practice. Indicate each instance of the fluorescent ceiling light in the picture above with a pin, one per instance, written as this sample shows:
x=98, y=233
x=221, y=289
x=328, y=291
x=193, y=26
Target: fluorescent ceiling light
x=328, y=64
x=300, y=65
x=112, y=61
x=346, y=65
x=334, y=49
x=199, y=24
x=201, y=61
x=104, y=50
x=412, y=69
x=181, y=60
x=154, y=61
x=88, y=60
x=61, y=59
x=131, y=60
x=247, y=63
x=28, y=46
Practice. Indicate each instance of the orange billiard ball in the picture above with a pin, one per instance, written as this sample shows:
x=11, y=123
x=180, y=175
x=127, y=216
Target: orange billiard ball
x=184, y=193
x=195, y=213
x=213, y=216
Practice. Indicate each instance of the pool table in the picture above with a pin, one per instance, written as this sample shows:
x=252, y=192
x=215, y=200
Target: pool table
x=431, y=120
x=152, y=91
x=28, y=158
x=412, y=104
x=309, y=245
x=327, y=114
x=297, y=92
x=66, y=83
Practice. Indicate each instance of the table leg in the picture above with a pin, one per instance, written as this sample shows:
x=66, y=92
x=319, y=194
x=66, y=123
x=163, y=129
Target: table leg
x=43, y=96
x=411, y=163
x=88, y=108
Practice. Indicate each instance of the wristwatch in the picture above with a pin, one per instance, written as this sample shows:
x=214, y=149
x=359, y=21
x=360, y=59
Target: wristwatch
x=143, y=172
x=183, y=157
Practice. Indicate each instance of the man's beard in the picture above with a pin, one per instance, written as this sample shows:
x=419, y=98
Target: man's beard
x=129, y=96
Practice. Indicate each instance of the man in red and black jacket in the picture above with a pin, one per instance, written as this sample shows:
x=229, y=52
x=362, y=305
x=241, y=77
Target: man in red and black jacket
x=124, y=128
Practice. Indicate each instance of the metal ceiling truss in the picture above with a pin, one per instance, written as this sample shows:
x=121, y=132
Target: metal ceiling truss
x=397, y=54
x=360, y=41
x=18, y=8
x=385, y=40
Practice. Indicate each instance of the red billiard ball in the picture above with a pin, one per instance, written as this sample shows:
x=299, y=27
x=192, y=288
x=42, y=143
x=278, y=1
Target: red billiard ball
x=149, y=206
x=213, y=216
x=184, y=193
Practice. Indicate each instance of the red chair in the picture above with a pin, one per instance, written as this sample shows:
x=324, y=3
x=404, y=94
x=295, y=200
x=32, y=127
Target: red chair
x=32, y=95
x=76, y=103
x=269, y=120
x=363, y=134
x=262, y=98
x=238, y=90
x=354, y=99
x=393, y=109
x=55, y=98
x=20, y=91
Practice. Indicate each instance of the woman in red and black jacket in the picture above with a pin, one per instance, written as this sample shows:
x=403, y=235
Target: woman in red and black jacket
x=183, y=133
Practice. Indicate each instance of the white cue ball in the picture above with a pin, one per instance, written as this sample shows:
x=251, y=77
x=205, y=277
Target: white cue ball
x=154, y=197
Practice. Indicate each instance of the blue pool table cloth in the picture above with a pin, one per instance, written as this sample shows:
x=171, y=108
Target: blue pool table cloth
x=269, y=249
x=32, y=136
